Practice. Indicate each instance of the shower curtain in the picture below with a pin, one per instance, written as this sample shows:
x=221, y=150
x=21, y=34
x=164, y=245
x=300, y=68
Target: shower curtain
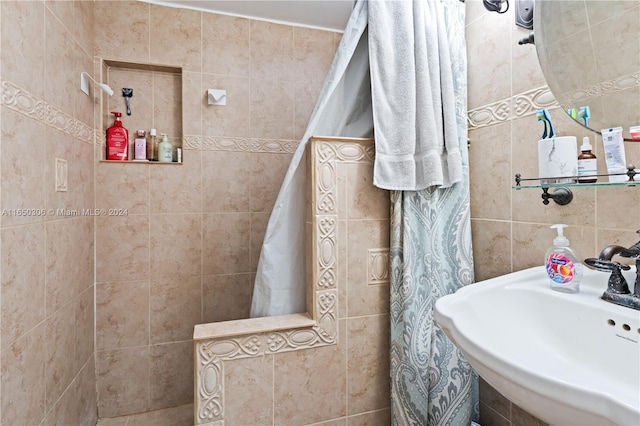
x=431, y=383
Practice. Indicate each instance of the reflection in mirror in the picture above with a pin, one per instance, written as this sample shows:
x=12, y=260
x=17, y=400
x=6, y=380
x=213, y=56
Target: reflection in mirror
x=589, y=52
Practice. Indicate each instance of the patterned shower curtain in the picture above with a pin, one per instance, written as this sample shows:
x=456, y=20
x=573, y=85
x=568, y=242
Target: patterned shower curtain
x=431, y=382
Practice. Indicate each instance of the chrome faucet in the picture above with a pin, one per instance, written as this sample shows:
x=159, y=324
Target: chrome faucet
x=617, y=288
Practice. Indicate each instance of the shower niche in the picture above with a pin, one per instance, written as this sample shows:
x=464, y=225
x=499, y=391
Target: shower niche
x=148, y=96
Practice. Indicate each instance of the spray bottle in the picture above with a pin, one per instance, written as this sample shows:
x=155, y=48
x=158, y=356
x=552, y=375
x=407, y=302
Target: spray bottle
x=563, y=264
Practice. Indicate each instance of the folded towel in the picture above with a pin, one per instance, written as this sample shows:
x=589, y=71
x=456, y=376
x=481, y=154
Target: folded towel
x=417, y=143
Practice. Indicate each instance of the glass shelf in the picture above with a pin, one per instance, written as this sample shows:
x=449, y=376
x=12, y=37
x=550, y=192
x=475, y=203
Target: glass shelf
x=574, y=184
x=561, y=193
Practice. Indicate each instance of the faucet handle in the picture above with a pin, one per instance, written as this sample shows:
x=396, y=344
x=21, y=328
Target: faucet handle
x=604, y=265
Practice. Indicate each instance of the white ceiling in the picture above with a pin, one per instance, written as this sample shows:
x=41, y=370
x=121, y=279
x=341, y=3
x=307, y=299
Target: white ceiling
x=323, y=14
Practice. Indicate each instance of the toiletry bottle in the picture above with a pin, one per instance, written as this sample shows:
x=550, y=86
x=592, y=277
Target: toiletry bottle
x=165, y=150
x=140, y=145
x=563, y=264
x=587, y=163
x=117, y=140
x=152, y=146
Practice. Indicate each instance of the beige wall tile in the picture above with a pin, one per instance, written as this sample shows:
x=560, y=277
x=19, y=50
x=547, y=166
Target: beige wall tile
x=176, y=246
x=123, y=381
x=176, y=37
x=226, y=243
x=313, y=53
x=167, y=106
x=177, y=188
x=23, y=45
x=171, y=375
x=494, y=399
x=362, y=298
x=491, y=248
x=338, y=422
x=69, y=260
x=123, y=186
x=122, y=315
x=225, y=45
x=365, y=201
x=23, y=280
x=22, y=166
x=128, y=26
x=267, y=174
x=122, y=247
x=60, y=347
x=254, y=407
x=167, y=417
x=226, y=297
x=62, y=10
x=23, y=378
x=617, y=208
x=376, y=418
x=489, y=35
x=307, y=394
x=271, y=51
x=84, y=330
x=226, y=181
x=305, y=98
x=368, y=363
x=491, y=178
x=259, y=223
x=59, y=57
x=272, y=109
x=84, y=24
x=192, y=109
x=175, y=308
x=231, y=119
x=86, y=397
x=83, y=107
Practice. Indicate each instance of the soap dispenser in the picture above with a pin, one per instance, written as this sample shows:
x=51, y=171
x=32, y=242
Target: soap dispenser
x=563, y=264
x=165, y=150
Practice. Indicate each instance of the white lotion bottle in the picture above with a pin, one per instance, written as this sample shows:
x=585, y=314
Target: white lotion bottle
x=563, y=264
x=165, y=150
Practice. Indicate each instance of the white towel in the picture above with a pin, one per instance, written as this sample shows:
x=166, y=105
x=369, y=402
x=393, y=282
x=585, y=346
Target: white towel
x=417, y=144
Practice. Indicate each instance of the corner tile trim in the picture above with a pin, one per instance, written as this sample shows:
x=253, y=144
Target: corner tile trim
x=23, y=102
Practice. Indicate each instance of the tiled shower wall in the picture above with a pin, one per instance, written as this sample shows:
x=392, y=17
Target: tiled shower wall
x=187, y=250
x=511, y=228
x=47, y=308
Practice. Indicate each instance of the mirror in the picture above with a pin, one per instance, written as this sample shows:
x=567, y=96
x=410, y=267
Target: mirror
x=589, y=52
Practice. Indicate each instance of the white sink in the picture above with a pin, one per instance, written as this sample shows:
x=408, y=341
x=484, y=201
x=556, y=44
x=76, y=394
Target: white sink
x=568, y=359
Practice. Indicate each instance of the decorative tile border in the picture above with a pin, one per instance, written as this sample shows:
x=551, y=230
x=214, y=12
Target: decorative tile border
x=210, y=354
x=239, y=144
x=23, y=102
x=520, y=105
x=604, y=88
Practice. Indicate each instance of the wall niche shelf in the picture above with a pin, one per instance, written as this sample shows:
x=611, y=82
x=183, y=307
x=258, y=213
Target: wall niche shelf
x=561, y=193
x=156, y=102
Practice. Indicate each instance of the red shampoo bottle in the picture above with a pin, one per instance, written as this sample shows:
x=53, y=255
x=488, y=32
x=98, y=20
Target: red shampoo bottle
x=117, y=140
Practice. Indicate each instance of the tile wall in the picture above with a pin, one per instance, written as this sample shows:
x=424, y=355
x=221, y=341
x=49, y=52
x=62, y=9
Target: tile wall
x=47, y=370
x=187, y=249
x=511, y=228
x=336, y=370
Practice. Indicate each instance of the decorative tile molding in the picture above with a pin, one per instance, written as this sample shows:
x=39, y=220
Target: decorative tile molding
x=238, y=144
x=23, y=102
x=211, y=354
x=520, y=105
x=378, y=266
x=603, y=88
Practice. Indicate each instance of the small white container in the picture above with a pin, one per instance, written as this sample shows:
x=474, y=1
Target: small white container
x=614, y=155
x=557, y=157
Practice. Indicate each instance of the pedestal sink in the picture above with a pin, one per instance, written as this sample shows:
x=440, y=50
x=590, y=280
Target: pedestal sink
x=568, y=359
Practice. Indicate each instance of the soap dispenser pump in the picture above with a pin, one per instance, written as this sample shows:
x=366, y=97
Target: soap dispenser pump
x=563, y=264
